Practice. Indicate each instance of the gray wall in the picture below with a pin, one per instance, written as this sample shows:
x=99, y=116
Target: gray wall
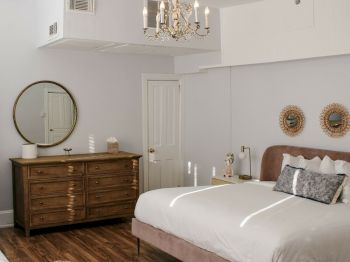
x=259, y=92
x=107, y=89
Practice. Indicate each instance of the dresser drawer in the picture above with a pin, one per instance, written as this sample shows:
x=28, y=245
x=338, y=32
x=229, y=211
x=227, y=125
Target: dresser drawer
x=121, y=209
x=64, y=170
x=67, y=202
x=68, y=216
x=111, y=196
x=101, y=182
x=56, y=187
x=109, y=167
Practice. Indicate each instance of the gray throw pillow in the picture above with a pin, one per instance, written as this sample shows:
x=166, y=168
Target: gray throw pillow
x=323, y=188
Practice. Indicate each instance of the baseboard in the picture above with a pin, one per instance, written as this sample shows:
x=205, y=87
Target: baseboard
x=6, y=218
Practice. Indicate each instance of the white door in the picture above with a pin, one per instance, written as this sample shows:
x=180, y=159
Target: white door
x=60, y=116
x=163, y=138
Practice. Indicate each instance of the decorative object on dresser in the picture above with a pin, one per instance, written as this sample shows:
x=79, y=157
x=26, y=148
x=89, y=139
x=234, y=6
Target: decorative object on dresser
x=292, y=120
x=45, y=113
x=112, y=145
x=60, y=190
x=335, y=120
x=242, y=156
x=29, y=151
x=228, y=170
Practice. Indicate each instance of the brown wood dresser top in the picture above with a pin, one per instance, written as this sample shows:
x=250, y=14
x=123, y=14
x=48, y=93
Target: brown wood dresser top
x=74, y=158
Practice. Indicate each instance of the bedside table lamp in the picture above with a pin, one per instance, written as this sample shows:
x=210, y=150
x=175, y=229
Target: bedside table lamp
x=243, y=155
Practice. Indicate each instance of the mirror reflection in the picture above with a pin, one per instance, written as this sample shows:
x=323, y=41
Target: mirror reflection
x=335, y=120
x=292, y=120
x=45, y=113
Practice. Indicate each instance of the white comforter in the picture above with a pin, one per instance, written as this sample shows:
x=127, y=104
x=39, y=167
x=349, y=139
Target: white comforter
x=250, y=222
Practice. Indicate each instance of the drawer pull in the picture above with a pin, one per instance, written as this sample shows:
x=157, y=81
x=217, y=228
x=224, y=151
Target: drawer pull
x=97, y=167
x=99, y=196
x=126, y=194
x=41, y=203
x=39, y=172
x=42, y=218
x=97, y=182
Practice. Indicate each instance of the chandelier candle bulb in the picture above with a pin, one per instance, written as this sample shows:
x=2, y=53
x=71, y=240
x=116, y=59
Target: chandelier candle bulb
x=207, y=12
x=162, y=12
x=196, y=6
x=145, y=17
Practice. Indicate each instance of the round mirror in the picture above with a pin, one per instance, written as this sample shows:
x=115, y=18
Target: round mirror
x=292, y=120
x=45, y=113
x=335, y=120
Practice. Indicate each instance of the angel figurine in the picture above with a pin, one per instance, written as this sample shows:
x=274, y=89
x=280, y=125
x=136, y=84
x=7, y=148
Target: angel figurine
x=228, y=170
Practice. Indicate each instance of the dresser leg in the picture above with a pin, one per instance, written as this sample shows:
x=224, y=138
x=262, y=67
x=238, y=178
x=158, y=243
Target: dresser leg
x=27, y=231
x=138, y=246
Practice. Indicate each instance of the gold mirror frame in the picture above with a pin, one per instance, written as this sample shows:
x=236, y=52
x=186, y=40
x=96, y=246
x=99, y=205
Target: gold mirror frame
x=75, y=113
x=330, y=130
x=286, y=128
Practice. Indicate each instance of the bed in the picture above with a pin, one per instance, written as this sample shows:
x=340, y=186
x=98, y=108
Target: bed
x=246, y=222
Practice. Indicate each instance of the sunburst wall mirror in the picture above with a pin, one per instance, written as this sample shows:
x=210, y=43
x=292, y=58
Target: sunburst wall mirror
x=292, y=120
x=335, y=120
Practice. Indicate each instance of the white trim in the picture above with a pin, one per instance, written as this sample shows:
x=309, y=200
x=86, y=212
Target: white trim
x=6, y=218
x=158, y=77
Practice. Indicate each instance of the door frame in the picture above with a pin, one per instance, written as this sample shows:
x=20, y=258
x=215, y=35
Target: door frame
x=159, y=77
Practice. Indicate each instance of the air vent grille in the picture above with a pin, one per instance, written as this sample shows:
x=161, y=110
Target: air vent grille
x=53, y=30
x=81, y=5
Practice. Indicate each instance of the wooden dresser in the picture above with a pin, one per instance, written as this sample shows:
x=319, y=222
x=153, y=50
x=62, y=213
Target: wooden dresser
x=60, y=190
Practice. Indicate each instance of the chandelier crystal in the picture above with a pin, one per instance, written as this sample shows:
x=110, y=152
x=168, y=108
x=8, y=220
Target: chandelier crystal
x=173, y=21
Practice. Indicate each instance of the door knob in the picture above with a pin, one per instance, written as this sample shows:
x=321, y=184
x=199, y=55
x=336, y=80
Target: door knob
x=151, y=150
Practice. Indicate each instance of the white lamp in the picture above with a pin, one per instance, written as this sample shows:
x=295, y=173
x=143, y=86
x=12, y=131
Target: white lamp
x=242, y=156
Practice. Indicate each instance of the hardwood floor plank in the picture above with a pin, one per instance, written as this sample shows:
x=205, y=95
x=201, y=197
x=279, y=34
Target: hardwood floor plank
x=96, y=242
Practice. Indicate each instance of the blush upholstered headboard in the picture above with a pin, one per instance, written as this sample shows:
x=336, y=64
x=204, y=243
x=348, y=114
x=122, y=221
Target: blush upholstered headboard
x=273, y=156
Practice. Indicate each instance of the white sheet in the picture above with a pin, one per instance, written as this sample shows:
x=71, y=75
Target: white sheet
x=250, y=222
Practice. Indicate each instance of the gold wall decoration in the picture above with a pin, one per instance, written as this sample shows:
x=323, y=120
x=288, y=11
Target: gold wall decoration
x=292, y=120
x=335, y=120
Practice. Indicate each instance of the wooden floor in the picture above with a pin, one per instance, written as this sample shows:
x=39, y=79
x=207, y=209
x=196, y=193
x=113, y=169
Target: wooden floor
x=109, y=242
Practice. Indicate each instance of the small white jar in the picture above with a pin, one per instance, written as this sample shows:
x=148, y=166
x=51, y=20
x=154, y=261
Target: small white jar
x=29, y=151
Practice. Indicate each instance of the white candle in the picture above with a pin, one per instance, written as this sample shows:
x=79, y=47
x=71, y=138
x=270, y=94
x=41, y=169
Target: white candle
x=158, y=20
x=145, y=17
x=214, y=171
x=162, y=9
x=196, y=6
x=195, y=183
x=189, y=166
x=207, y=12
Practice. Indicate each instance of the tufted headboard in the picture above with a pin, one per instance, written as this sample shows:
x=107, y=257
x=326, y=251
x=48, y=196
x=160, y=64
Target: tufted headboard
x=273, y=156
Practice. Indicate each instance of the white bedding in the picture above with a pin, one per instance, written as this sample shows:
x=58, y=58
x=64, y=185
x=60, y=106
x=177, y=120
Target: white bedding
x=250, y=222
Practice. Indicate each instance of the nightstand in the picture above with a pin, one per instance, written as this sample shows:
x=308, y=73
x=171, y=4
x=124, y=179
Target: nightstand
x=220, y=180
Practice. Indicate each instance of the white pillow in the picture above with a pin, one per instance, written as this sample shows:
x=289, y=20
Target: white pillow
x=301, y=162
x=313, y=164
x=343, y=167
x=327, y=166
x=289, y=160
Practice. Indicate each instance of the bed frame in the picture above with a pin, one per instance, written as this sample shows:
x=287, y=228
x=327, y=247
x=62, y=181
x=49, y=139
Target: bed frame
x=270, y=171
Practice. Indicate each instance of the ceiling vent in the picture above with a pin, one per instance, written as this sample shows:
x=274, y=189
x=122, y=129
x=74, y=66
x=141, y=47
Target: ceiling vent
x=86, y=6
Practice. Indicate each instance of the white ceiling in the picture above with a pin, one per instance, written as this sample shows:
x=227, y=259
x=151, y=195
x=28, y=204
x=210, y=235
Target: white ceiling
x=225, y=3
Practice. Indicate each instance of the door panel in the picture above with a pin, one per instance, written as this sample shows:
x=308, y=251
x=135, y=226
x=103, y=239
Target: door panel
x=164, y=134
x=60, y=112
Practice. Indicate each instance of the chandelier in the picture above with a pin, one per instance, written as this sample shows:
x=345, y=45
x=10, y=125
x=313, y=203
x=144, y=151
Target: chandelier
x=173, y=21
